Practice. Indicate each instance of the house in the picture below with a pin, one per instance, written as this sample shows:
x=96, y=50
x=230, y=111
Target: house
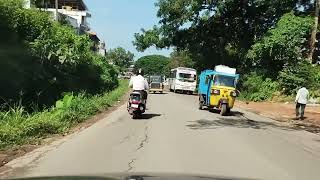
x=75, y=12
x=99, y=46
x=102, y=48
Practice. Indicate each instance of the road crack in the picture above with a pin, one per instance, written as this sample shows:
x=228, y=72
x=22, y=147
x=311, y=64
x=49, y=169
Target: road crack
x=125, y=139
x=145, y=139
x=130, y=164
x=141, y=145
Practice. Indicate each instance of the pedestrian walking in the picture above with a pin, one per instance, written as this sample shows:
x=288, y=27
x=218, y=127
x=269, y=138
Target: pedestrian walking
x=301, y=102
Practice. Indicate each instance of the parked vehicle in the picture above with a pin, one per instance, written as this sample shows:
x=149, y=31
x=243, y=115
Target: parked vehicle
x=136, y=105
x=217, y=89
x=156, y=84
x=183, y=79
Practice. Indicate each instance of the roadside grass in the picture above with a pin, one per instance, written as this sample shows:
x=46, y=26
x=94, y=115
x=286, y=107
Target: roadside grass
x=18, y=127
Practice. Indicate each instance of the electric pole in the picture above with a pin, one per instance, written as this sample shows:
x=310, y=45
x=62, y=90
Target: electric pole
x=57, y=18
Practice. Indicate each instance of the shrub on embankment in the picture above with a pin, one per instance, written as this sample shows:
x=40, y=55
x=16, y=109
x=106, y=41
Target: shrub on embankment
x=17, y=126
x=41, y=59
x=276, y=63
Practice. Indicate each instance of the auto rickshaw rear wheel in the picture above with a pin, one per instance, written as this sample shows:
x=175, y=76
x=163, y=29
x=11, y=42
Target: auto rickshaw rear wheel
x=228, y=110
x=223, y=111
x=200, y=104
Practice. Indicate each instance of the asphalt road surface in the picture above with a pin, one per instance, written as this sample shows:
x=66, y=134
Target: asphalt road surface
x=175, y=137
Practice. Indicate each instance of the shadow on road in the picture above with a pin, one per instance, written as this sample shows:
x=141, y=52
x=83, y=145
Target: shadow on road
x=236, y=113
x=236, y=120
x=232, y=113
x=157, y=93
x=148, y=116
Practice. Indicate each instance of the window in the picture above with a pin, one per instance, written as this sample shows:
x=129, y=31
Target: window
x=220, y=80
x=187, y=77
x=173, y=74
x=155, y=79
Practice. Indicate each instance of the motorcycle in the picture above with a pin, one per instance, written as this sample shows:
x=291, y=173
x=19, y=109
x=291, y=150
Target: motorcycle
x=136, y=105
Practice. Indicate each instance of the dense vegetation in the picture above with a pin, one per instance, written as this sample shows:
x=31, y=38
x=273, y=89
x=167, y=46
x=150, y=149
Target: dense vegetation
x=180, y=59
x=42, y=61
x=18, y=126
x=121, y=58
x=267, y=41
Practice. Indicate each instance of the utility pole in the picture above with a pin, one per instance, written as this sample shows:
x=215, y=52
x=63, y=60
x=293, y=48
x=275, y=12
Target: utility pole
x=314, y=31
x=57, y=18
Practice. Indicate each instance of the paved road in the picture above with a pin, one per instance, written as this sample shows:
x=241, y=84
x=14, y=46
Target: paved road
x=176, y=137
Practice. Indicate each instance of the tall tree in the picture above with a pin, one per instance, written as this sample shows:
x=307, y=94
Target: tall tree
x=180, y=59
x=282, y=45
x=215, y=31
x=153, y=64
x=120, y=57
x=314, y=30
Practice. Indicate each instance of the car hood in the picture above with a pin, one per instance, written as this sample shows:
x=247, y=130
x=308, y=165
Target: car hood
x=138, y=176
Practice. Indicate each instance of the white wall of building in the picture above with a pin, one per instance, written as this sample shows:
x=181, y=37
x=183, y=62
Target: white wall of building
x=27, y=4
x=75, y=17
x=80, y=17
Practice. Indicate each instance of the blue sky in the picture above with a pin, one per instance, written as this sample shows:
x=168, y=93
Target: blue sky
x=116, y=21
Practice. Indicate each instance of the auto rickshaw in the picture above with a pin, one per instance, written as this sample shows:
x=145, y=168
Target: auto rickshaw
x=217, y=89
x=156, y=84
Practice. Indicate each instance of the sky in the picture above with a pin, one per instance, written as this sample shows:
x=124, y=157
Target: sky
x=116, y=21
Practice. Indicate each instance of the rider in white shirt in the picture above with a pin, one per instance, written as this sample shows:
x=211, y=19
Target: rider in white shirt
x=139, y=83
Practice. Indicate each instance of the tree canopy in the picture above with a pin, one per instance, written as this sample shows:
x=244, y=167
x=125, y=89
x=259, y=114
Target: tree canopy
x=266, y=40
x=180, y=59
x=286, y=43
x=214, y=31
x=120, y=57
x=153, y=64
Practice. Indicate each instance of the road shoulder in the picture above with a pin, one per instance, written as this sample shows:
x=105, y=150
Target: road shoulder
x=24, y=154
x=285, y=112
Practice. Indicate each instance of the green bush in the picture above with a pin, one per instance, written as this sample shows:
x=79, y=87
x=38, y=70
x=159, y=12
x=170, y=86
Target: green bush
x=255, y=87
x=17, y=126
x=283, y=44
x=44, y=59
x=296, y=75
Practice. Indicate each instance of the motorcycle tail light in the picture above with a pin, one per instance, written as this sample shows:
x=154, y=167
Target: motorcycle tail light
x=215, y=91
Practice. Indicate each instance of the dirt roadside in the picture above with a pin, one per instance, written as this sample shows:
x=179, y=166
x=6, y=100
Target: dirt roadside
x=18, y=151
x=285, y=112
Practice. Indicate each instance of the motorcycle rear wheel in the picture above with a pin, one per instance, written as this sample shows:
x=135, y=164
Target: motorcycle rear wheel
x=136, y=115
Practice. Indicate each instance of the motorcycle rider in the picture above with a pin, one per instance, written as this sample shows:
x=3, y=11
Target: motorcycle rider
x=140, y=84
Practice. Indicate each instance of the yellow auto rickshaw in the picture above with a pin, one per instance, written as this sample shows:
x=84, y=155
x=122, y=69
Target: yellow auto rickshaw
x=217, y=89
x=156, y=84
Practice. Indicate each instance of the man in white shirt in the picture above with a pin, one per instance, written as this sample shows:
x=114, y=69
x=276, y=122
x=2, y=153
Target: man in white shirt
x=301, y=102
x=139, y=83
